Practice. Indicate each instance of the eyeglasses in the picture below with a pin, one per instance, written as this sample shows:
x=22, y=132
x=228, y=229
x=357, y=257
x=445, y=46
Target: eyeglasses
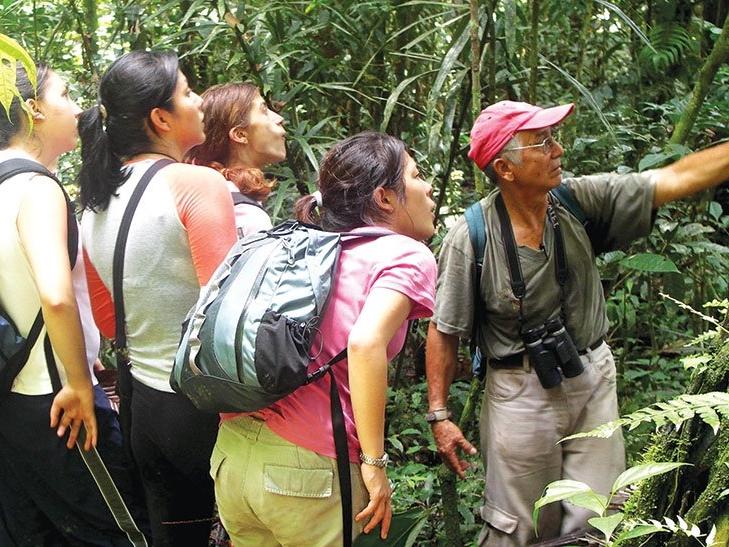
x=547, y=146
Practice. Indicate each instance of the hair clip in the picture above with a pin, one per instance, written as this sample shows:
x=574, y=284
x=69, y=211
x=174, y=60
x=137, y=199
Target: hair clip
x=317, y=198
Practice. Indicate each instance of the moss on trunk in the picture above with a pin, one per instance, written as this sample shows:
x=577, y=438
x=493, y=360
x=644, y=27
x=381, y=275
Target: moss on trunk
x=692, y=492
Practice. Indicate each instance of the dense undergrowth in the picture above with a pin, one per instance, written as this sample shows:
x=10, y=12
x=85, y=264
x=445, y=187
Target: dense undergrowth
x=335, y=67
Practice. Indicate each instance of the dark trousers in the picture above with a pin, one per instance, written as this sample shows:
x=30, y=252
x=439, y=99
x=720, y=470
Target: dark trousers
x=47, y=494
x=172, y=442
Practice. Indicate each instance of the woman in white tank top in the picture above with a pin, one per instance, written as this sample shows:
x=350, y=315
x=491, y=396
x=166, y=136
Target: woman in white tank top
x=47, y=492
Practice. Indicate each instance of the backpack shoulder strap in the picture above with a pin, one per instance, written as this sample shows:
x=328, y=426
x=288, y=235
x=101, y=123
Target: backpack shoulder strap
x=239, y=198
x=477, y=234
x=565, y=196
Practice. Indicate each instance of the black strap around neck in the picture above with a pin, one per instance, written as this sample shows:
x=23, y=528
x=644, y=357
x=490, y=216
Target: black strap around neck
x=240, y=198
x=120, y=336
x=518, y=286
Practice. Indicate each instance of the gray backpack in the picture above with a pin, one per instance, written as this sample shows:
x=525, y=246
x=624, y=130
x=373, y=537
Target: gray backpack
x=253, y=332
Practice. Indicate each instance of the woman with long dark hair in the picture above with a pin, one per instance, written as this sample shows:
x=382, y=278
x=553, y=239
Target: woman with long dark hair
x=242, y=136
x=48, y=494
x=148, y=118
x=275, y=471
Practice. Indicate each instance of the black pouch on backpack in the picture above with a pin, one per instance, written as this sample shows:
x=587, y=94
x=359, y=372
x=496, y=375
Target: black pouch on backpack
x=14, y=348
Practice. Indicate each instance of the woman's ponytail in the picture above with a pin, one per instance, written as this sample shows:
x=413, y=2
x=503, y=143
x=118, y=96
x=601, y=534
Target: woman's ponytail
x=100, y=173
x=305, y=209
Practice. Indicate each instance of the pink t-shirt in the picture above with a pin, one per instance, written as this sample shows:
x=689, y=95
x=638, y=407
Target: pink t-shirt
x=394, y=262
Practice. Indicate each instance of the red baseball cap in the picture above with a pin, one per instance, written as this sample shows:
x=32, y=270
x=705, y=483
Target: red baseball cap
x=498, y=123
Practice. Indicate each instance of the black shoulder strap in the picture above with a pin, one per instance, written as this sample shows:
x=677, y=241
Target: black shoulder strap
x=565, y=196
x=10, y=168
x=120, y=337
x=339, y=432
x=239, y=198
x=595, y=232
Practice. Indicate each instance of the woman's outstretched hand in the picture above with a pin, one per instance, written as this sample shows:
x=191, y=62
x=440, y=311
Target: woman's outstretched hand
x=379, y=509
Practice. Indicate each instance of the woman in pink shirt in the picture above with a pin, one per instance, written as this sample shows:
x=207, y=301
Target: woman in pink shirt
x=242, y=136
x=275, y=471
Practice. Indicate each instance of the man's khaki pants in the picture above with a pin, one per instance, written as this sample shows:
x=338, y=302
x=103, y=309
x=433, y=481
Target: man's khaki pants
x=521, y=423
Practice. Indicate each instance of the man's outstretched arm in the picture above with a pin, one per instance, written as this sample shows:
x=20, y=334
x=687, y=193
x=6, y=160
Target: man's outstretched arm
x=441, y=353
x=691, y=174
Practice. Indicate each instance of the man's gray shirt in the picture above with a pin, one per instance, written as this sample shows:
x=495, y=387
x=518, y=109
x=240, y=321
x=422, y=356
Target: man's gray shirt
x=621, y=205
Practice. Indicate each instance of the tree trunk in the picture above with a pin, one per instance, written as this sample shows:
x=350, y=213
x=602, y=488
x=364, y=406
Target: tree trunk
x=447, y=478
x=716, y=58
x=491, y=91
x=692, y=492
x=534, y=52
x=478, y=177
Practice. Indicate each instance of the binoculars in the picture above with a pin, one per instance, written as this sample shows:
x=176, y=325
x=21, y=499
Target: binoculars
x=550, y=350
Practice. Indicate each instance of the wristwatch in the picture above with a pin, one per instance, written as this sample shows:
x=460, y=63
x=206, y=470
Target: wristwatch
x=438, y=415
x=380, y=462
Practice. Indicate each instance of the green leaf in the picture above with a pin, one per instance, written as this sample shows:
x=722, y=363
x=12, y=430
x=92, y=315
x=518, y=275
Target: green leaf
x=558, y=491
x=711, y=536
x=715, y=210
x=641, y=472
x=638, y=531
x=597, y=503
x=607, y=525
x=392, y=99
x=650, y=161
x=13, y=50
x=394, y=441
x=648, y=262
x=584, y=92
x=601, y=432
x=629, y=22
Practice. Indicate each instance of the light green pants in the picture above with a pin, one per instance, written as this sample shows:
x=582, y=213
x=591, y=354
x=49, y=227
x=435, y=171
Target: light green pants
x=272, y=492
x=521, y=423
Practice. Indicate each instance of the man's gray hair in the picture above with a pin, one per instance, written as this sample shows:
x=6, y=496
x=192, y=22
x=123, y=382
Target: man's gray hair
x=515, y=156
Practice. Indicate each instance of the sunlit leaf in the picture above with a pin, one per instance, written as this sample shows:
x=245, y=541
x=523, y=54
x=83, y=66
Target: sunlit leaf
x=641, y=472
x=558, y=491
x=607, y=525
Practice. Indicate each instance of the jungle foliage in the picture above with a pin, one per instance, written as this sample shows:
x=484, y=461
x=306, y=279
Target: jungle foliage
x=651, y=83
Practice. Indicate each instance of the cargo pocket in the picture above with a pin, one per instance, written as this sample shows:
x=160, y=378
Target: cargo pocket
x=498, y=519
x=300, y=483
x=216, y=460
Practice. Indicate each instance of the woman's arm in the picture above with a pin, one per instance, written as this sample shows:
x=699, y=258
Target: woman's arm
x=384, y=312
x=42, y=230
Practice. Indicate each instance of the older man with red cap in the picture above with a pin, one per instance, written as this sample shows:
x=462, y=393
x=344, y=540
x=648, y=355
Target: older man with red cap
x=537, y=314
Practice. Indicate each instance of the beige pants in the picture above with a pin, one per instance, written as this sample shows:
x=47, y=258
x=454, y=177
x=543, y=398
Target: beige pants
x=271, y=492
x=521, y=423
